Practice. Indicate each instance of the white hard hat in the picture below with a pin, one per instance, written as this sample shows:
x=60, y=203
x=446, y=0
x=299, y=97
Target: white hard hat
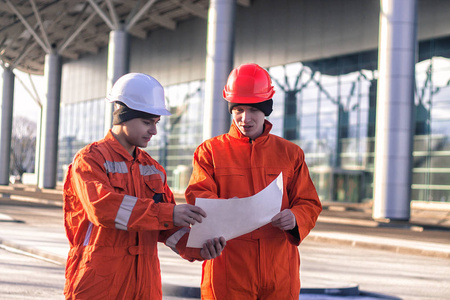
x=139, y=92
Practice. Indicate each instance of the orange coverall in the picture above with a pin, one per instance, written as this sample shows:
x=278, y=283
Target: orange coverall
x=116, y=209
x=265, y=263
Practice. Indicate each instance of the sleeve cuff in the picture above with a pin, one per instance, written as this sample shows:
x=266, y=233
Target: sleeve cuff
x=165, y=216
x=190, y=254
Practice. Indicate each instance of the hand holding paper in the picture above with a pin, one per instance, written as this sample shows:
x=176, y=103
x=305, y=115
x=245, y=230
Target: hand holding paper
x=213, y=248
x=284, y=220
x=231, y=218
x=187, y=214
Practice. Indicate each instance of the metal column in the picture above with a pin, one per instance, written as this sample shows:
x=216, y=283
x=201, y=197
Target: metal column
x=6, y=125
x=395, y=107
x=219, y=63
x=118, y=65
x=50, y=123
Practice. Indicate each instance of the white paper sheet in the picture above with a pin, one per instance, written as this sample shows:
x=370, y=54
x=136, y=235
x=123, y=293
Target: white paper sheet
x=234, y=217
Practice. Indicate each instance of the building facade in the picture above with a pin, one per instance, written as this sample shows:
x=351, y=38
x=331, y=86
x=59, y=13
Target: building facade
x=323, y=59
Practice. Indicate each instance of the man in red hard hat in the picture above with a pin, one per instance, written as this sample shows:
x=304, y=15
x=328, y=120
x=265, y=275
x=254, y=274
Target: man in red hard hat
x=117, y=204
x=263, y=264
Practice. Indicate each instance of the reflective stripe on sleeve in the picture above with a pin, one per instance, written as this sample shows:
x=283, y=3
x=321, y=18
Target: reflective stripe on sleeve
x=88, y=234
x=173, y=240
x=116, y=167
x=124, y=213
x=151, y=170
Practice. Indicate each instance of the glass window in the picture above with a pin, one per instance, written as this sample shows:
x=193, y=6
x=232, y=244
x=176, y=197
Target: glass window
x=431, y=173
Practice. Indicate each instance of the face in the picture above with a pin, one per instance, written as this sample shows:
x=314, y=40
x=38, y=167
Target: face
x=137, y=132
x=249, y=120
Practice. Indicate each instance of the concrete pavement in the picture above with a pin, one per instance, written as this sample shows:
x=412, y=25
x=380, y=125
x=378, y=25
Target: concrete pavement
x=427, y=233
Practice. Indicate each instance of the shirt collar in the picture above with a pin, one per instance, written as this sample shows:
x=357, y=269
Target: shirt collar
x=117, y=146
x=236, y=133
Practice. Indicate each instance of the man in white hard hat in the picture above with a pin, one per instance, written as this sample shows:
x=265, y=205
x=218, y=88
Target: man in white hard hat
x=117, y=204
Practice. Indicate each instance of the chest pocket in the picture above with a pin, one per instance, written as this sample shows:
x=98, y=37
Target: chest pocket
x=272, y=174
x=118, y=182
x=154, y=188
x=232, y=182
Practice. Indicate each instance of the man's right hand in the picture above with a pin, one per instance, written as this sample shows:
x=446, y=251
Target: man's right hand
x=187, y=214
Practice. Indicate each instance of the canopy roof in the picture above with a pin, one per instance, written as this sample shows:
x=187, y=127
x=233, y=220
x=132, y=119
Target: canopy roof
x=30, y=29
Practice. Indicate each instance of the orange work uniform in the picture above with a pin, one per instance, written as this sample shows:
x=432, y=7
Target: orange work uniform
x=263, y=264
x=116, y=209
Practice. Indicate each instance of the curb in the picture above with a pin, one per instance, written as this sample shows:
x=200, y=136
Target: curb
x=352, y=290
x=169, y=289
x=29, y=251
x=317, y=237
x=31, y=199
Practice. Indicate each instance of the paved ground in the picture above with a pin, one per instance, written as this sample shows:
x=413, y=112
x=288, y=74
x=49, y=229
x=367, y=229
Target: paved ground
x=36, y=228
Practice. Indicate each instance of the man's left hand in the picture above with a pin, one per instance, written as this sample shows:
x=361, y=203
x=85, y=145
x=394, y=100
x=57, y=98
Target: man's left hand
x=213, y=248
x=285, y=220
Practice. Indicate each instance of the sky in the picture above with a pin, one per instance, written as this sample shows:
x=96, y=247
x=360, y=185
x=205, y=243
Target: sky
x=24, y=104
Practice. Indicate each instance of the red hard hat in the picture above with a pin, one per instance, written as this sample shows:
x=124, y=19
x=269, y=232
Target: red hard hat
x=249, y=83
